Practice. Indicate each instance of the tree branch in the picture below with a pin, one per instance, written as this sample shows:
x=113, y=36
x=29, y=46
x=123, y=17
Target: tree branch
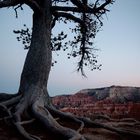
x=71, y=9
x=8, y=3
x=31, y=3
x=69, y=16
x=85, y=9
x=102, y=7
x=60, y=0
x=54, y=21
x=78, y=3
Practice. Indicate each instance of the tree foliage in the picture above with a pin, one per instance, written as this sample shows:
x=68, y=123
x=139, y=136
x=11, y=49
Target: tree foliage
x=87, y=16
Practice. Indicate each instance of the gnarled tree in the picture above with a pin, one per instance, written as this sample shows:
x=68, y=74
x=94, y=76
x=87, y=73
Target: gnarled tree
x=32, y=100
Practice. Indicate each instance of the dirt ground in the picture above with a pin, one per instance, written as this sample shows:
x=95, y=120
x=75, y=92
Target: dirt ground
x=8, y=132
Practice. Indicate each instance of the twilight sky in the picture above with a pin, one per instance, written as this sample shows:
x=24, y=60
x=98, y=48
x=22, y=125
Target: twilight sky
x=119, y=52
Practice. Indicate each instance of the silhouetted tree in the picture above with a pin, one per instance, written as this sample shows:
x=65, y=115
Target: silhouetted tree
x=32, y=99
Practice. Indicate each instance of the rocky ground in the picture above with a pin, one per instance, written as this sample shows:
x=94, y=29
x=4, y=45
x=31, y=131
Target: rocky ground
x=7, y=132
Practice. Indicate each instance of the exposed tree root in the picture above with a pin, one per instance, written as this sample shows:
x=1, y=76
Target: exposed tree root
x=126, y=124
x=46, y=118
x=27, y=122
x=11, y=101
x=6, y=96
x=66, y=116
x=7, y=112
x=17, y=109
x=122, y=131
x=128, y=120
x=92, y=124
x=5, y=109
x=105, y=117
x=25, y=134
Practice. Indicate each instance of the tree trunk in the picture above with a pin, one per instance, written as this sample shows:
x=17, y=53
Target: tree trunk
x=38, y=61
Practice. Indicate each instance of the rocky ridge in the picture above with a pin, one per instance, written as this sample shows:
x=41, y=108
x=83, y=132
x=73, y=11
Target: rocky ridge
x=114, y=101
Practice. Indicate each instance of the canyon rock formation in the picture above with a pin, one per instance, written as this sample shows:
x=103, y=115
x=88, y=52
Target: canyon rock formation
x=115, y=101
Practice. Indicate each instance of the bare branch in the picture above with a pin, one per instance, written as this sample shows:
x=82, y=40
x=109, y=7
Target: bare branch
x=69, y=16
x=55, y=1
x=8, y=3
x=54, y=21
x=77, y=3
x=71, y=9
x=102, y=7
x=85, y=9
x=18, y=6
x=75, y=9
x=32, y=3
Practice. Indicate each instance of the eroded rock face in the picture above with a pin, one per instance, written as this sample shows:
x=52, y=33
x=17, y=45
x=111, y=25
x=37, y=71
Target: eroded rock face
x=114, y=101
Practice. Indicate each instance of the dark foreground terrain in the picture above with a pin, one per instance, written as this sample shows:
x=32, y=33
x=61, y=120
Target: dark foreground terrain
x=6, y=133
x=119, y=105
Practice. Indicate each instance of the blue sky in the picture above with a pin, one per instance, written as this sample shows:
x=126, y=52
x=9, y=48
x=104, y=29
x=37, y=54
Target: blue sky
x=118, y=43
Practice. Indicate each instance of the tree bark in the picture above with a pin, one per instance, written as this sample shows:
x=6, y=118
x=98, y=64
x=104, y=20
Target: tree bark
x=38, y=61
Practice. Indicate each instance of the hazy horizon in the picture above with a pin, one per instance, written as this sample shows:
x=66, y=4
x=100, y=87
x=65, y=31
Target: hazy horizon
x=118, y=43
